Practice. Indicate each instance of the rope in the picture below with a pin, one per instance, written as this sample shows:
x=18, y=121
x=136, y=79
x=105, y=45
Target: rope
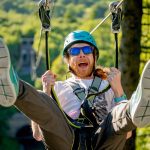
x=47, y=50
x=39, y=52
x=116, y=43
x=99, y=24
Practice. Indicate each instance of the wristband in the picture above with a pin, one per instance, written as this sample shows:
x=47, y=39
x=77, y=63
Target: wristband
x=121, y=98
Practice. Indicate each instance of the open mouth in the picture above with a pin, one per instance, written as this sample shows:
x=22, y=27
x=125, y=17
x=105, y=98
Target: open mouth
x=83, y=64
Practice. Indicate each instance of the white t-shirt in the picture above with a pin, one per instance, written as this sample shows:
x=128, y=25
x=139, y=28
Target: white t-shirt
x=71, y=104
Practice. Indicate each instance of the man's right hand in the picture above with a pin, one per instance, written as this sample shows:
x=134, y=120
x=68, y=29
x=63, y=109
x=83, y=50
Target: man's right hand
x=48, y=80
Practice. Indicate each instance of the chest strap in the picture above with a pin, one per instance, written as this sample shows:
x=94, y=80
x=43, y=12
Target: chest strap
x=87, y=102
x=94, y=88
x=80, y=92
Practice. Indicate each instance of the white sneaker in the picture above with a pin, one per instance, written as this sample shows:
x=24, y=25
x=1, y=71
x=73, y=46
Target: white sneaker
x=140, y=100
x=8, y=80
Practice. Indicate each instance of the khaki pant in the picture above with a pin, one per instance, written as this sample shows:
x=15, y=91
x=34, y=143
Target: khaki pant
x=59, y=135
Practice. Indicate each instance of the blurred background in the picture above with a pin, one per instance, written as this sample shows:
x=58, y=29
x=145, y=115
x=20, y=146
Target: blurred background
x=20, y=27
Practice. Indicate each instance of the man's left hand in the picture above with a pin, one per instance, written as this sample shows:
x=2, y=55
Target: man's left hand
x=114, y=79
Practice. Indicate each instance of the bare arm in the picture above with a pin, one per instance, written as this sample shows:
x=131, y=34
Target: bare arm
x=114, y=78
x=36, y=131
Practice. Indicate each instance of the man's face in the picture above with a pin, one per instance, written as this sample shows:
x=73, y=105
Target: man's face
x=82, y=64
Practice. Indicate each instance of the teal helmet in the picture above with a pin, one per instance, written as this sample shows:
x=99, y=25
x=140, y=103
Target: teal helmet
x=79, y=36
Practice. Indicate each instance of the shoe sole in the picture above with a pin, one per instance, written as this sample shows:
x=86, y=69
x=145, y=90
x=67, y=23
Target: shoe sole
x=141, y=116
x=7, y=90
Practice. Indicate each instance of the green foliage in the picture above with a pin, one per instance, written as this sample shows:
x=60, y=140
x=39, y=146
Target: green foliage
x=67, y=18
x=60, y=68
x=7, y=143
x=72, y=13
x=143, y=139
x=19, y=19
x=38, y=84
x=19, y=6
x=5, y=114
x=145, y=42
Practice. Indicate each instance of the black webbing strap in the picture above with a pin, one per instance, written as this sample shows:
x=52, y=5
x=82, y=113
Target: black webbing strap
x=86, y=115
x=80, y=92
x=94, y=88
x=83, y=139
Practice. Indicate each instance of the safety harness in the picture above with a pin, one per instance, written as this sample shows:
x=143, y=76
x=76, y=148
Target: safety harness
x=87, y=102
x=83, y=135
x=85, y=124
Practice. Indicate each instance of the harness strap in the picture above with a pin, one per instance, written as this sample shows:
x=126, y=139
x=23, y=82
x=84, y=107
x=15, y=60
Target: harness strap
x=94, y=88
x=86, y=116
x=82, y=140
x=78, y=91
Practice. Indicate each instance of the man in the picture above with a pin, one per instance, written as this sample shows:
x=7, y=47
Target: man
x=82, y=68
x=77, y=117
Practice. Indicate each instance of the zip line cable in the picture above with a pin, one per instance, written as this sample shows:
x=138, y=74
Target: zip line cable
x=99, y=24
x=35, y=62
x=39, y=53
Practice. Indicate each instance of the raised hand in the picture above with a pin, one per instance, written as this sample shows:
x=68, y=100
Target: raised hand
x=48, y=80
x=114, y=79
